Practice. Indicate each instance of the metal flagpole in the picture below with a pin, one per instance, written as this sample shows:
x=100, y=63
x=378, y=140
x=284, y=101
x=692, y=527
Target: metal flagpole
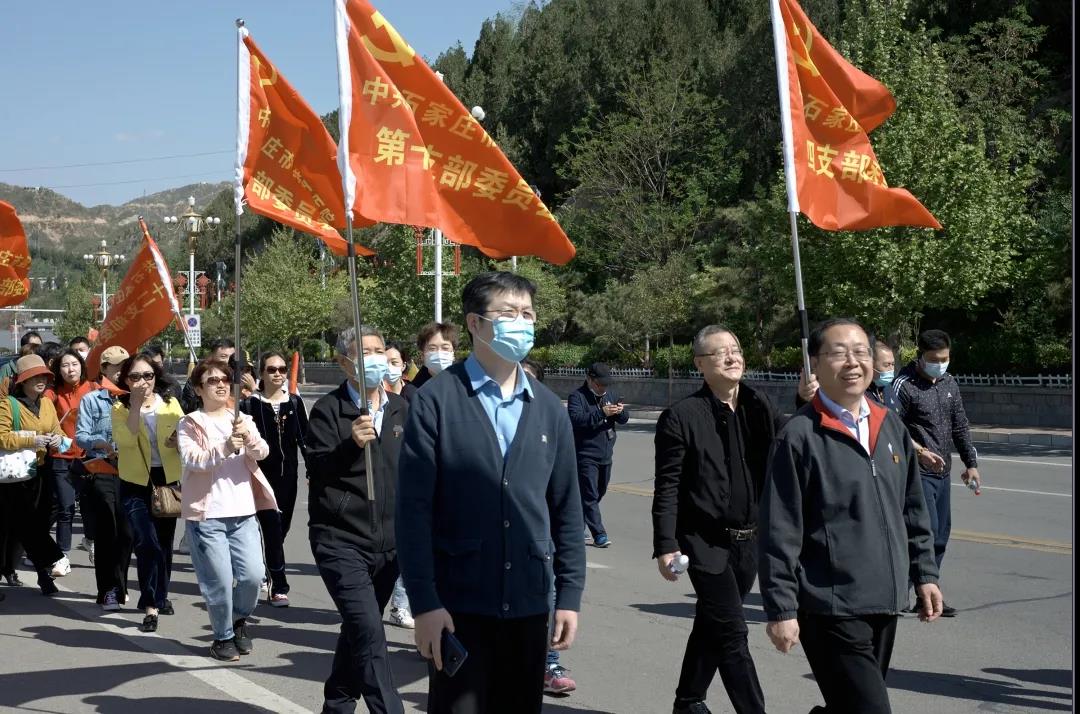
x=348, y=185
x=243, y=114
x=780, y=52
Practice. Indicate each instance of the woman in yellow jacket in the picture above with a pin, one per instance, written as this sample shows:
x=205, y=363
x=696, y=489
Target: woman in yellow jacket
x=25, y=505
x=144, y=427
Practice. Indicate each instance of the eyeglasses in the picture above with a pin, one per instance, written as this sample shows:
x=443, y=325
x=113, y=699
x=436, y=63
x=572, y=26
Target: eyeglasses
x=721, y=354
x=276, y=370
x=134, y=377
x=511, y=314
x=861, y=354
x=215, y=381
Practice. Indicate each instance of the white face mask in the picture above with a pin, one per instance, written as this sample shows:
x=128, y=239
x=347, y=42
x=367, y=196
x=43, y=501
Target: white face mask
x=393, y=374
x=438, y=361
x=84, y=354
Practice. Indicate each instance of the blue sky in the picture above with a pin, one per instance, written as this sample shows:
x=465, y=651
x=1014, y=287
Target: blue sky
x=115, y=80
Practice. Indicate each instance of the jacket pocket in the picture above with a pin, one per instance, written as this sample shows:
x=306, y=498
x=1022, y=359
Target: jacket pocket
x=457, y=567
x=541, y=569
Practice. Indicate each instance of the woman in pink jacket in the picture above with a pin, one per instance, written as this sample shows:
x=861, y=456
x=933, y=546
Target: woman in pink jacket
x=223, y=489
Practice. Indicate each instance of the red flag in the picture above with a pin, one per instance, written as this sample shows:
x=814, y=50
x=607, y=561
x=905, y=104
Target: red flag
x=14, y=258
x=286, y=160
x=419, y=157
x=833, y=107
x=143, y=306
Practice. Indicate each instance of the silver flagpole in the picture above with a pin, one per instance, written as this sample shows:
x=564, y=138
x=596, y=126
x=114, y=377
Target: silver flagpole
x=780, y=52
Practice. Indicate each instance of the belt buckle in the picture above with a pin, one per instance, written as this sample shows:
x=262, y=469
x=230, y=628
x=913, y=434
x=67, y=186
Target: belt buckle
x=740, y=534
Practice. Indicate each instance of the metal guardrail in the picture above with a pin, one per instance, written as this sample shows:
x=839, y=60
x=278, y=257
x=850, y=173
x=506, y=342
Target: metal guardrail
x=1058, y=381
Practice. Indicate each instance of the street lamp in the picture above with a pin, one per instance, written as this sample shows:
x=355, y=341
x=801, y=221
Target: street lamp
x=104, y=260
x=195, y=224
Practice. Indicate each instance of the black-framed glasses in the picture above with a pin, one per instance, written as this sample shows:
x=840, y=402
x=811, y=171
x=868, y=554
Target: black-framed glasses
x=721, y=354
x=134, y=377
x=276, y=370
x=215, y=381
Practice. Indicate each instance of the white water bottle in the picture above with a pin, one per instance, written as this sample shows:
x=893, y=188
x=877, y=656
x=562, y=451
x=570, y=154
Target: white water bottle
x=679, y=564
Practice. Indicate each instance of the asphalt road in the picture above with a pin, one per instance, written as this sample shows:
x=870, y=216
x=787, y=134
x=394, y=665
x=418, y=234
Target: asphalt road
x=1008, y=571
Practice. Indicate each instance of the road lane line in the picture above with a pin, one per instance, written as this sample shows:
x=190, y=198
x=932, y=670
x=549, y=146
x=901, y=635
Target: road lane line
x=221, y=676
x=1021, y=461
x=1016, y=490
x=597, y=566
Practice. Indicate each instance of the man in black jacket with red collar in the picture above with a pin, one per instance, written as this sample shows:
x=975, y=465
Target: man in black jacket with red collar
x=711, y=451
x=352, y=528
x=844, y=527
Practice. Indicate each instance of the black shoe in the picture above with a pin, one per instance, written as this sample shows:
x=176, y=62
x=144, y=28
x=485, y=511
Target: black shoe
x=166, y=608
x=947, y=611
x=693, y=708
x=224, y=650
x=913, y=610
x=240, y=637
x=13, y=579
x=45, y=582
x=149, y=624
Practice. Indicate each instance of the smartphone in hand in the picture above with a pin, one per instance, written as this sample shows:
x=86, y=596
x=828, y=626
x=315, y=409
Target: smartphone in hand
x=453, y=654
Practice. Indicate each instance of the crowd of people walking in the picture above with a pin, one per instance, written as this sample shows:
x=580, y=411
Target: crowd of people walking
x=464, y=498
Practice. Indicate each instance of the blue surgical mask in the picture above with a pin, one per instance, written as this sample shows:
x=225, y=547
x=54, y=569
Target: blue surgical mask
x=393, y=374
x=438, y=361
x=375, y=369
x=513, y=338
x=935, y=370
x=884, y=379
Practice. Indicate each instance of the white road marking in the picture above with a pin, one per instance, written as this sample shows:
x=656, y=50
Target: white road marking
x=1017, y=490
x=226, y=680
x=597, y=566
x=1022, y=461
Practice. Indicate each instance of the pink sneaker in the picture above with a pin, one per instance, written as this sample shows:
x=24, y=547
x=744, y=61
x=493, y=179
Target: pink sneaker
x=556, y=681
x=279, y=600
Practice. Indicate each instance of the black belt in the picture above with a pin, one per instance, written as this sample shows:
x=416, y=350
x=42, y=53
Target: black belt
x=737, y=534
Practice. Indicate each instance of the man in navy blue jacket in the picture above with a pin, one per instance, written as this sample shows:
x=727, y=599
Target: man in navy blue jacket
x=488, y=512
x=594, y=411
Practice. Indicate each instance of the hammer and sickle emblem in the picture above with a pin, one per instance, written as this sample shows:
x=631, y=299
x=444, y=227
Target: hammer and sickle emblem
x=401, y=54
x=805, y=61
x=263, y=81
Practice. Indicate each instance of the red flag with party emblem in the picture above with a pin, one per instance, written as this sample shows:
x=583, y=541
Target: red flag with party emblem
x=14, y=258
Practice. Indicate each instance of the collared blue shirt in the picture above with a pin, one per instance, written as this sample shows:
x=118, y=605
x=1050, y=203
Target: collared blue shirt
x=858, y=426
x=503, y=413
x=376, y=414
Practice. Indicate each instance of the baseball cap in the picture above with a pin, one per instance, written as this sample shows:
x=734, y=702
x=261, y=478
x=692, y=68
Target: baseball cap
x=599, y=373
x=114, y=355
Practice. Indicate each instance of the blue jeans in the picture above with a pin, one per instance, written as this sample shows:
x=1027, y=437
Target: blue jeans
x=152, y=540
x=552, y=655
x=937, y=492
x=227, y=556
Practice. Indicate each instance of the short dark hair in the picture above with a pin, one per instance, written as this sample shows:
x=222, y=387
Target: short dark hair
x=447, y=329
x=537, y=368
x=29, y=335
x=155, y=349
x=205, y=366
x=80, y=340
x=162, y=384
x=930, y=340
x=478, y=292
x=69, y=352
x=50, y=351
x=222, y=343
x=402, y=349
x=817, y=335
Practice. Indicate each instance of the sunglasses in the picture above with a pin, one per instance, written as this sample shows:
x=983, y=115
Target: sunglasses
x=140, y=377
x=215, y=381
x=276, y=370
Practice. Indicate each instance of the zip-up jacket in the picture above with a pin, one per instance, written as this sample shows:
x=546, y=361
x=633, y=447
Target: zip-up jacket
x=284, y=433
x=594, y=433
x=933, y=413
x=842, y=531
x=338, y=503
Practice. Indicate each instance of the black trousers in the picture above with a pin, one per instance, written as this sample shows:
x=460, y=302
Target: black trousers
x=593, y=479
x=113, y=539
x=850, y=659
x=275, y=526
x=718, y=641
x=27, y=513
x=360, y=585
x=503, y=672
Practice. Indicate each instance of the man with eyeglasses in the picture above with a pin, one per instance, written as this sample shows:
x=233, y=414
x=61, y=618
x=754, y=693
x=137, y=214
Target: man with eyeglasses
x=710, y=467
x=489, y=513
x=844, y=527
x=928, y=401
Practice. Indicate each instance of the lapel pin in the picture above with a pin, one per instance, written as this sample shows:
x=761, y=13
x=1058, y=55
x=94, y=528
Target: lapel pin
x=543, y=438
x=398, y=428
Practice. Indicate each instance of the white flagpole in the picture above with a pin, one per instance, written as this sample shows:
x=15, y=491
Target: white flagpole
x=348, y=185
x=243, y=127
x=780, y=51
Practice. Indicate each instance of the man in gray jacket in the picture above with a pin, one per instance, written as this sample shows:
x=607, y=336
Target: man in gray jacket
x=843, y=528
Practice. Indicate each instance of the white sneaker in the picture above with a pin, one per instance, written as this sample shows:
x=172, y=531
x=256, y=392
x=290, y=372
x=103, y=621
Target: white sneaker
x=401, y=617
x=112, y=602
x=183, y=547
x=264, y=586
x=61, y=568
